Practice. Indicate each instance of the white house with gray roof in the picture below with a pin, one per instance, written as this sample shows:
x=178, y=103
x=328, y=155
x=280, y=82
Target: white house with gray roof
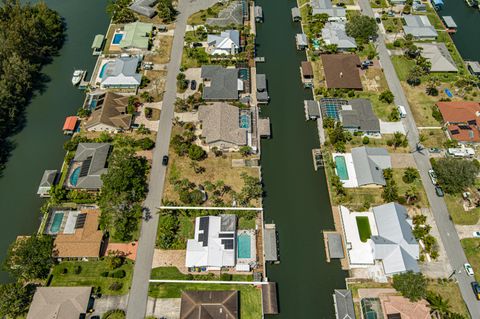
x=419, y=27
x=334, y=33
x=121, y=73
x=358, y=116
x=225, y=43
x=369, y=163
x=220, y=83
x=144, y=7
x=395, y=244
x=439, y=57
x=88, y=165
x=214, y=242
x=221, y=126
x=326, y=7
x=232, y=14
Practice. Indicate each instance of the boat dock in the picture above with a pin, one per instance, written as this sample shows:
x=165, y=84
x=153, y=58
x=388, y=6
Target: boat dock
x=260, y=59
x=317, y=158
x=333, y=245
x=271, y=248
x=269, y=299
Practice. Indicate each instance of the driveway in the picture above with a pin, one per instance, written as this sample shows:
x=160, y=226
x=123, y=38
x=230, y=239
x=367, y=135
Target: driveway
x=137, y=303
x=168, y=308
x=391, y=127
x=466, y=231
x=448, y=233
x=106, y=303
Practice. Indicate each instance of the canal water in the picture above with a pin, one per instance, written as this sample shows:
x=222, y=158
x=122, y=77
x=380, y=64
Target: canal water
x=467, y=37
x=296, y=196
x=39, y=144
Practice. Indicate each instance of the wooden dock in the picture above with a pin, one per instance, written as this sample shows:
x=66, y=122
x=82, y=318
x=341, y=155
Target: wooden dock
x=317, y=157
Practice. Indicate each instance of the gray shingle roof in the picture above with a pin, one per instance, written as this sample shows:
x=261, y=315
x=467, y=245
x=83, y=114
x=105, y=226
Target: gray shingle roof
x=326, y=7
x=439, y=57
x=94, y=157
x=224, y=83
x=449, y=22
x=335, y=246
x=395, y=244
x=221, y=122
x=144, y=7
x=122, y=71
x=233, y=14
x=419, y=26
x=369, y=163
x=48, y=180
x=334, y=33
x=360, y=117
x=313, y=108
x=344, y=304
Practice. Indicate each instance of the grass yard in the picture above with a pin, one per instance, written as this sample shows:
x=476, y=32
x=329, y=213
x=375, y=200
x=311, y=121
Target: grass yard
x=173, y=273
x=374, y=80
x=381, y=109
x=379, y=3
x=90, y=275
x=376, y=142
x=471, y=246
x=449, y=290
x=458, y=214
x=363, y=228
x=402, y=66
x=403, y=187
x=433, y=138
x=245, y=223
x=421, y=105
x=250, y=296
x=162, y=53
x=201, y=16
x=360, y=199
x=393, y=25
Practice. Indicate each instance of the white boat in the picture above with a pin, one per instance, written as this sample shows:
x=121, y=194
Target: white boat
x=77, y=76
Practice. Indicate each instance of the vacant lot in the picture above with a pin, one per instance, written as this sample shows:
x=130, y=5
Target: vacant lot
x=459, y=215
x=471, y=246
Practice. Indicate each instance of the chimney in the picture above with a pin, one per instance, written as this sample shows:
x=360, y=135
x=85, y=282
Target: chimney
x=341, y=74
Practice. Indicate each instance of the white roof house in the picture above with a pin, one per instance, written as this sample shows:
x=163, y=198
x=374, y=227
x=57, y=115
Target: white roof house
x=121, y=73
x=214, y=244
x=439, y=57
x=395, y=244
x=419, y=27
x=334, y=33
x=226, y=43
x=326, y=7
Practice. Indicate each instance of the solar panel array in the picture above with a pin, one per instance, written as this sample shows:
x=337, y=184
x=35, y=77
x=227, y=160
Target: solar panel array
x=472, y=122
x=227, y=243
x=80, y=221
x=230, y=235
x=203, y=237
x=85, y=167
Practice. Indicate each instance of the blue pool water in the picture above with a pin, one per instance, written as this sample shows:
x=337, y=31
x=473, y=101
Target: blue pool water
x=243, y=244
x=117, y=38
x=102, y=70
x=341, y=165
x=448, y=93
x=243, y=74
x=93, y=104
x=56, y=223
x=74, y=176
x=244, y=121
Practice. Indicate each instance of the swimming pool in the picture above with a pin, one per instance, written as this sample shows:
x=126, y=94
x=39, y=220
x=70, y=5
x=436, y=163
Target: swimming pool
x=243, y=244
x=341, y=167
x=244, y=121
x=117, y=38
x=74, y=176
x=102, y=70
x=56, y=223
x=243, y=74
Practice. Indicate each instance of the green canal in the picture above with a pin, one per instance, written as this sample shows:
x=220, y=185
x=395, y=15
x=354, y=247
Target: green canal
x=39, y=144
x=296, y=196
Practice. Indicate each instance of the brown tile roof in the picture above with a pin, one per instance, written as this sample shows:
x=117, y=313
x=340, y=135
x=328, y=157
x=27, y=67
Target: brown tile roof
x=59, y=302
x=307, y=69
x=408, y=310
x=84, y=242
x=462, y=119
x=112, y=112
x=209, y=304
x=342, y=71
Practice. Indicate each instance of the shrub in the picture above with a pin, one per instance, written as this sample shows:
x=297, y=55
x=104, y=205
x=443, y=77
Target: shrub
x=116, y=286
x=148, y=112
x=365, y=140
x=225, y=277
x=196, y=153
x=114, y=262
x=78, y=269
x=104, y=274
x=386, y=96
x=65, y=271
x=145, y=143
x=118, y=274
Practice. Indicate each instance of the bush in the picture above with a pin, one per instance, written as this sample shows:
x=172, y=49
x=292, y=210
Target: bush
x=411, y=285
x=78, y=269
x=104, y=274
x=196, y=153
x=386, y=97
x=226, y=277
x=365, y=140
x=145, y=143
x=114, y=262
x=116, y=286
x=114, y=314
x=118, y=274
x=65, y=271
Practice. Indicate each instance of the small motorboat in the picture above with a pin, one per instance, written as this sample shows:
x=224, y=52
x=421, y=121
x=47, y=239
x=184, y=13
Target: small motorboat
x=77, y=76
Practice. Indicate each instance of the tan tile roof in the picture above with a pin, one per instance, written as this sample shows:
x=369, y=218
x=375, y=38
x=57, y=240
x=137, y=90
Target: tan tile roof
x=59, y=302
x=113, y=112
x=85, y=242
x=342, y=71
x=407, y=309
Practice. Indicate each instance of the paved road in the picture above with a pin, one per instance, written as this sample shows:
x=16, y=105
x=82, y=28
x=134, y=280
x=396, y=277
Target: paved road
x=137, y=301
x=448, y=234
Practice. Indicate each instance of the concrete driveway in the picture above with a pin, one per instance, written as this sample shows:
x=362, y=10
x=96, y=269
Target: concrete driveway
x=466, y=231
x=106, y=303
x=391, y=127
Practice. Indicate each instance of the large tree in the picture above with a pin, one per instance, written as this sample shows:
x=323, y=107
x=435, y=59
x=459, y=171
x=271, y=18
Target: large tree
x=15, y=299
x=120, y=12
x=411, y=285
x=166, y=11
x=30, y=258
x=455, y=175
x=361, y=28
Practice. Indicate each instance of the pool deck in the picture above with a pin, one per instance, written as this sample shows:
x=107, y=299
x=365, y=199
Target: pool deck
x=253, y=249
x=352, y=176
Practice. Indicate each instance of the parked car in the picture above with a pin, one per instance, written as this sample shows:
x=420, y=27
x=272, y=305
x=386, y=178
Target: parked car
x=439, y=191
x=165, y=160
x=476, y=234
x=402, y=110
x=433, y=176
x=193, y=85
x=468, y=269
x=434, y=150
x=476, y=289
x=197, y=44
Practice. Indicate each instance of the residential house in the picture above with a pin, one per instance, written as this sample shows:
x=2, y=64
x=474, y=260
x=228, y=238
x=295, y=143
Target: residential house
x=342, y=71
x=144, y=7
x=121, y=73
x=395, y=244
x=211, y=304
x=214, y=244
x=296, y=17
x=394, y=306
x=301, y=41
x=81, y=238
x=110, y=113
x=462, y=120
x=227, y=43
x=262, y=93
x=439, y=57
x=343, y=302
x=221, y=126
x=232, y=14
x=326, y=7
x=333, y=33
x=136, y=36
x=220, y=83
x=419, y=6
x=88, y=165
x=419, y=27
x=49, y=179
x=60, y=303
x=358, y=116
x=369, y=163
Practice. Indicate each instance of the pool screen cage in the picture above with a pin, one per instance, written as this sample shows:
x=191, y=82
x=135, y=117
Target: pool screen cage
x=371, y=308
x=331, y=107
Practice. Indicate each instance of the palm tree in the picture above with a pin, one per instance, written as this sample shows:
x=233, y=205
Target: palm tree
x=410, y=175
x=411, y=194
x=437, y=303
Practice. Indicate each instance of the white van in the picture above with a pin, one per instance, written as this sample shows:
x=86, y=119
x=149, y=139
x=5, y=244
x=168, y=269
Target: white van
x=402, y=111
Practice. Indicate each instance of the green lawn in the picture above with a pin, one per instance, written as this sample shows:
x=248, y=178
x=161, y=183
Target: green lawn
x=201, y=16
x=403, y=187
x=174, y=274
x=393, y=25
x=402, y=66
x=381, y=109
x=363, y=228
x=449, y=290
x=250, y=296
x=245, y=223
x=459, y=215
x=471, y=246
x=433, y=138
x=90, y=275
